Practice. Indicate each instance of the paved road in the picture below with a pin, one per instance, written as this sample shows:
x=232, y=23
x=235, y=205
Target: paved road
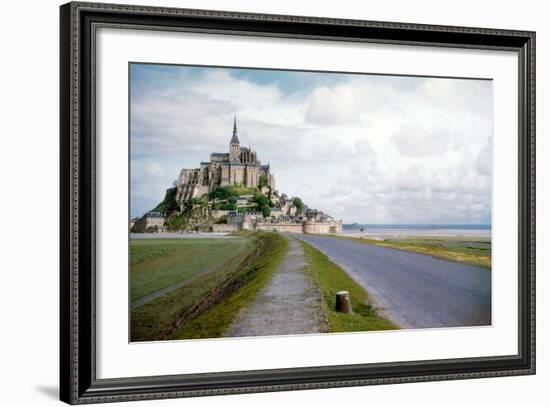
x=415, y=290
x=289, y=304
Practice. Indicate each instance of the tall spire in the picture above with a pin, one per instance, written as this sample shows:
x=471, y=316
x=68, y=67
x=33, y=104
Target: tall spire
x=235, y=138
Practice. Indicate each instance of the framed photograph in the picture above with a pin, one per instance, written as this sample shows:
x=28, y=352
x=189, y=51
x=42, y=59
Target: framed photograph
x=255, y=203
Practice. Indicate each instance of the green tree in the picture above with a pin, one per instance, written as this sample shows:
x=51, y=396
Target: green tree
x=266, y=211
x=297, y=202
x=168, y=204
x=222, y=193
x=261, y=199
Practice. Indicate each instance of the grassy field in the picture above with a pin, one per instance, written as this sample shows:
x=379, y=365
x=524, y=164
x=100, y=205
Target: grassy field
x=156, y=264
x=331, y=278
x=223, y=276
x=475, y=251
x=257, y=271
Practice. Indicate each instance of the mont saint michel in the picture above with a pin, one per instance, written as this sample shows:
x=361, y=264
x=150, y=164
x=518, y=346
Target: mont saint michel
x=238, y=166
x=231, y=192
x=268, y=202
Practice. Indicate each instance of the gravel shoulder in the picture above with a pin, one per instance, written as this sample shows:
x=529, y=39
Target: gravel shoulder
x=289, y=304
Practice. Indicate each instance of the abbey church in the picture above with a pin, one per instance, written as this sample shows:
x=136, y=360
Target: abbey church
x=239, y=166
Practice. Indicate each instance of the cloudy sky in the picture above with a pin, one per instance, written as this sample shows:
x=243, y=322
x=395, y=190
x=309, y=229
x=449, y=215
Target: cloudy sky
x=363, y=148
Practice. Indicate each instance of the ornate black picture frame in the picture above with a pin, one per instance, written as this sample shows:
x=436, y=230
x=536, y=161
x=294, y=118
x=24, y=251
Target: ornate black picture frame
x=78, y=380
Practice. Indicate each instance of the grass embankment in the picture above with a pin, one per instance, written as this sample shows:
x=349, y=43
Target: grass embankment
x=257, y=271
x=156, y=264
x=331, y=278
x=476, y=251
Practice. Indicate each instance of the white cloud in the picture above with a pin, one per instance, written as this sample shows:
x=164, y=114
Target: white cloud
x=369, y=149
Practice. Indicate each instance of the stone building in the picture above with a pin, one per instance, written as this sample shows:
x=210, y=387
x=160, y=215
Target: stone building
x=265, y=209
x=317, y=222
x=154, y=220
x=239, y=166
x=286, y=205
x=151, y=222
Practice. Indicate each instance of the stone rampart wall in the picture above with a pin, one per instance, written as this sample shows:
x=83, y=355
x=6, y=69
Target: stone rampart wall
x=280, y=227
x=223, y=228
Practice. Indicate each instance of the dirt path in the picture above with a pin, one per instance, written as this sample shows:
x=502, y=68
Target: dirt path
x=289, y=304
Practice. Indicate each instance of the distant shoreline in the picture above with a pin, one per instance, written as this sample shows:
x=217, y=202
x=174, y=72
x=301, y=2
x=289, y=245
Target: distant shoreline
x=388, y=231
